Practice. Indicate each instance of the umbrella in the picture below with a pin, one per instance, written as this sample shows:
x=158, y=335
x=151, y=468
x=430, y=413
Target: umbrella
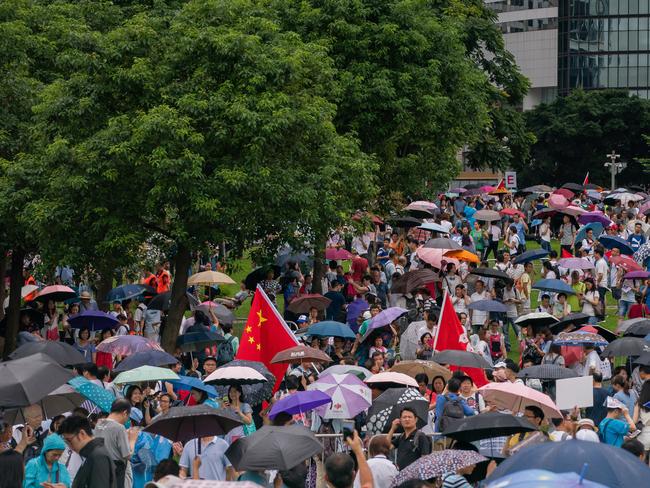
x=57, y=293
x=293, y=257
x=300, y=402
x=415, y=367
x=273, y=447
x=512, y=211
x=359, y=216
x=625, y=262
x=126, y=345
x=183, y=424
x=607, y=334
x=151, y=357
x=62, y=400
x=575, y=318
x=639, y=329
x=558, y=202
x=487, y=215
x=235, y=375
x=392, y=378
x=540, y=478
x=637, y=275
x=337, y=254
x=538, y=189
x=580, y=338
x=463, y=255
x=643, y=359
x=433, y=227
x=610, y=242
x=595, y=227
x=305, y=303
x=575, y=263
x=144, y=374
x=127, y=292
x=350, y=396
x=422, y=205
x=384, y=318
x=536, y=319
x=606, y=464
x=223, y=313
x=626, y=324
x=197, y=341
x=435, y=257
x=208, y=278
x=492, y=273
x=257, y=393
x=595, y=217
x=546, y=372
x=488, y=306
x=93, y=320
x=330, y=328
x=461, y=358
x=259, y=274
x=27, y=380
x=438, y=464
x=574, y=187
x=388, y=406
x=60, y=352
x=528, y=256
x=627, y=346
x=516, y=397
x=487, y=425
x=24, y=292
x=163, y=301
x=93, y=392
x=412, y=280
x=187, y=383
x=358, y=371
x=405, y=222
x=300, y=353
x=554, y=286
x=442, y=243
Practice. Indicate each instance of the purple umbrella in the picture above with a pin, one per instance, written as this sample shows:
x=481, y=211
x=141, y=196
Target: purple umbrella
x=384, y=318
x=575, y=263
x=355, y=308
x=590, y=217
x=300, y=402
x=637, y=275
x=93, y=320
x=350, y=396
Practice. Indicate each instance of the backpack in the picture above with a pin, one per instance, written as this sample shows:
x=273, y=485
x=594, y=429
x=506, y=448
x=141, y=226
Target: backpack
x=225, y=352
x=453, y=410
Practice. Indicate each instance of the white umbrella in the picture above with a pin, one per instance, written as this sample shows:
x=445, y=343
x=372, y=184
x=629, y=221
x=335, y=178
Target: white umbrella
x=235, y=375
x=208, y=278
x=349, y=396
x=392, y=377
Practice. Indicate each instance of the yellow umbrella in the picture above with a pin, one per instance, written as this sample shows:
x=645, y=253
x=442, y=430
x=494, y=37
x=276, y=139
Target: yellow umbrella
x=463, y=255
x=208, y=278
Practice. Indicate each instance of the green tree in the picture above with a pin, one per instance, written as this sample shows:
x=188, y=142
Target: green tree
x=575, y=133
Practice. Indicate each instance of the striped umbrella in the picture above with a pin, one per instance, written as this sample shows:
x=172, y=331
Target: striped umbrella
x=350, y=396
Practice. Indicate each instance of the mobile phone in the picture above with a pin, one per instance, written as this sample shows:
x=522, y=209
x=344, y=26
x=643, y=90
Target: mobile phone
x=348, y=429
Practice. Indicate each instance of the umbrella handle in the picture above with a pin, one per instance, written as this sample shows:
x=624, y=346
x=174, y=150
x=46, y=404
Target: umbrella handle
x=583, y=473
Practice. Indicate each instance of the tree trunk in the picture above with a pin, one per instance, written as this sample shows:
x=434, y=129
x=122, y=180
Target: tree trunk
x=3, y=271
x=182, y=262
x=319, y=256
x=13, y=315
x=104, y=285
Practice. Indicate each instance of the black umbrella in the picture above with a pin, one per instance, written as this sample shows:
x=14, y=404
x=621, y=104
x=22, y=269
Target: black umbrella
x=185, y=423
x=643, y=359
x=163, y=301
x=60, y=352
x=388, y=407
x=27, y=380
x=626, y=324
x=528, y=256
x=64, y=399
x=259, y=274
x=461, y=358
x=492, y=273
x=223, y=313
x=274, y=447
x=413, y=280
x=536, y=319
x=627, y=346
x=487, y=425
x=405, y=222
x=257, y=393
x=442, y=243
x=576, y=318
x=574, y=187
x=151, y=357
x=196, y=341
x=640, y=329
x=299, y=257
x=547, y=372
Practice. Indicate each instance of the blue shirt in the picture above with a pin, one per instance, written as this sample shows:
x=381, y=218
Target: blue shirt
x=612, y=431
x=382, y=255
x=636, y=241
x=440, y=407
x=213, y=459
x=521, y=232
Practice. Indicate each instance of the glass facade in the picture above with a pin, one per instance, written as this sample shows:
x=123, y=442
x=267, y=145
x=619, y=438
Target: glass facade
x=604, y=44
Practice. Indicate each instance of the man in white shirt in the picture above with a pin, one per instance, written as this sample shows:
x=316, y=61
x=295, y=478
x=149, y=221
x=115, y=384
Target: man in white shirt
x=602, y=274
x=383, y=471
x=479, y=318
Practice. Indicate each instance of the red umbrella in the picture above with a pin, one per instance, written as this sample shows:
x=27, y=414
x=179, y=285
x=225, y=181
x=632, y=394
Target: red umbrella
x=568, y=194
x=58, y=293
x=357, y=217
x=337, y=254
x=297, y=354
x=626, y=262
x=304, y=303
x=512, y=211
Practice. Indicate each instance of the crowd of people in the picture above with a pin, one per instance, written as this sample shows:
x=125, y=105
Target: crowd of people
x=539, y=281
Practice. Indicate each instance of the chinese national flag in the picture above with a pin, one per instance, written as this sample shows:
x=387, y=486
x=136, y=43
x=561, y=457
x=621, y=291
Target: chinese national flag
x=265, y=334
x=501, y=185
x=566, y=254
x=451, y=335
x=586, y=180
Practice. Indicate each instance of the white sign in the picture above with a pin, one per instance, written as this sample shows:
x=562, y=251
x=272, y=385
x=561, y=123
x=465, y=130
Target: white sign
x=574, y=392
x=511, y=180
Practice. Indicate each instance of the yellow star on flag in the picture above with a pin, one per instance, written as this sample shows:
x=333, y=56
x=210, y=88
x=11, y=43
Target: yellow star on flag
x=251, y=339
x=261, y=319
x=259, y=347
x=249, y=329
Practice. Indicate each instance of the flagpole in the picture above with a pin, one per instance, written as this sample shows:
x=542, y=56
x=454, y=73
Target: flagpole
x=444, y=301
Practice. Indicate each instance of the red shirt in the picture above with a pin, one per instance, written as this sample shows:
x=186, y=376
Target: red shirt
x=164, y=280
x=638, y=310
x=359, y=268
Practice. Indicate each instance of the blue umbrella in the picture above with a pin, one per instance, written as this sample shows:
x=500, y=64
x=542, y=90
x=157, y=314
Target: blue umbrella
x=488, y=306
x=536, y=222
x=330, y=328
x=529, y=256
x=541, y=478
x=93, y=320
x=433, y=227
x=554, y=286
x=300, y=402
x=610, y=242
x=151, y=357
x=609, y=465
x=95, y=393
x=596, y=227
x=187, y=383
x=124, y=292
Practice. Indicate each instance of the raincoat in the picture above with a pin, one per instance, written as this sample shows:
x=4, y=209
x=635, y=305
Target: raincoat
x=37, y=471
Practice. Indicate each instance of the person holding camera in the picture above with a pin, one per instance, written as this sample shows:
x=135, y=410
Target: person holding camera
x=340, y=469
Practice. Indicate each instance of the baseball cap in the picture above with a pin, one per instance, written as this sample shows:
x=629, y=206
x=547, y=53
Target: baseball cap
x=302, y=319
x=367, y=315
x=499, y=365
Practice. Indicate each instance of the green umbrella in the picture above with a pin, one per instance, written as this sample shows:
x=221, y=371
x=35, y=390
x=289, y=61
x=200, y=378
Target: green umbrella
x=144, y=374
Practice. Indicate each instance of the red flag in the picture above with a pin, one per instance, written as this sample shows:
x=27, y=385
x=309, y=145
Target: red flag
x=452, y=335
x=501, y=185
x=265, y=334
x=566, y=254
x=586, y=181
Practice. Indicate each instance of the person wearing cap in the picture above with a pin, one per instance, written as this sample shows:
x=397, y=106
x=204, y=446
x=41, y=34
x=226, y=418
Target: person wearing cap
x=87, y=304
x=613, y=430
x=587, y=431
x=301, y=320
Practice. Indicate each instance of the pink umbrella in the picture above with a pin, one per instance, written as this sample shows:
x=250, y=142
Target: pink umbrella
x=516, y=397
x=392, y=377
x=575, y=263
x=573, y=210
x=337, y=254
x=57, y=293
x=487, y=188
x=568, y=194
x=435, y=257
x=420, y=205
x=557, y=201
x=626, y=262
x=126, y=345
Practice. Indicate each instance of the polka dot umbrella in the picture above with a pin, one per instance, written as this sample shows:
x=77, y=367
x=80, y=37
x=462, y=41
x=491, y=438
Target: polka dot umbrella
x=437, y=464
